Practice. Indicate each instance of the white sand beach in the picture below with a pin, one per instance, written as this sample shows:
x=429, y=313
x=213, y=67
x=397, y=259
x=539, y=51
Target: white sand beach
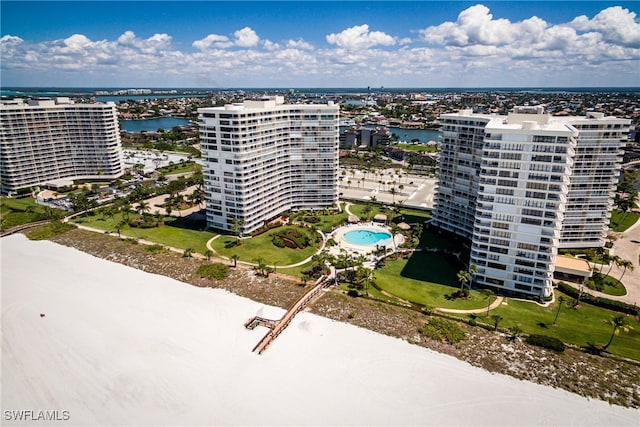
x=118, y=346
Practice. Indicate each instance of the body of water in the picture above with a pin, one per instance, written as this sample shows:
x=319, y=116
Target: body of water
x=152, y=125
x=121, y=98
x=424, y=135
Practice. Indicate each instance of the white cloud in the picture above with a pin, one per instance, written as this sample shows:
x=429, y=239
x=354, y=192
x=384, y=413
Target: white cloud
x=9, y=39
x=359, y=37
x=477, y=49
x=299, y=44
x=476, y=25
x=269, y=45
x=246, y=37
x=77, y=41
x=617, y=25
x=215, y=40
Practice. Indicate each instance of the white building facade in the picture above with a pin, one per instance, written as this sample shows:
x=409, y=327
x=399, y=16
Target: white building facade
x=44, y=141
x=523, y=185
x=263, y=158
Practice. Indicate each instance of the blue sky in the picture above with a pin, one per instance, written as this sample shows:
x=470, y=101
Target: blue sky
x=319, y=44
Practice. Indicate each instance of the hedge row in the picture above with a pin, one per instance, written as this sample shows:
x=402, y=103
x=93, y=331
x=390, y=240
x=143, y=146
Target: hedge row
x=609, y=304
x=265, y=228
x=545, y=341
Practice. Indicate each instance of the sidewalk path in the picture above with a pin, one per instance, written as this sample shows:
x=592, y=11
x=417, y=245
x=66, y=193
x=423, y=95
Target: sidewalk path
x=252, y=264
x=493, y=305
x=627, y=246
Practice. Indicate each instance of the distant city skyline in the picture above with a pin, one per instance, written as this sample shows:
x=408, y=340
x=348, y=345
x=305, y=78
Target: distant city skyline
x=319, y=44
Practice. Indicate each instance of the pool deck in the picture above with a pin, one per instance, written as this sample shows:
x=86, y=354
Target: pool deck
x=338, y=236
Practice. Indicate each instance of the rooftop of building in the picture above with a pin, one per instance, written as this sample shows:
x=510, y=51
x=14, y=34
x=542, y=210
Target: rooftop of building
x=268, y=103
x=530, y=118
x=45, y=102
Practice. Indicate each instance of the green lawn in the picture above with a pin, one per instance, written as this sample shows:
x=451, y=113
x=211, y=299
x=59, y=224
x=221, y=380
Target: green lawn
x=262, y=247
x=427, y=279
x=329, y=222
x=417, y=147
x=180, y=168
x=176, y=232
x=612, y=286
x=404, y=214
x=621, y=221
x=574, y=326
x=435, y=240
x=15, y=211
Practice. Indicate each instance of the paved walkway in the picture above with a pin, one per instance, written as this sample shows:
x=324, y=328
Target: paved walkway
x=627, y=246
x=252, y=264
x=156, y=202
x=493, y=305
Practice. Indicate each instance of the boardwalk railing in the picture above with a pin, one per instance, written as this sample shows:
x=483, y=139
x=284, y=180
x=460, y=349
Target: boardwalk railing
x=278, y=326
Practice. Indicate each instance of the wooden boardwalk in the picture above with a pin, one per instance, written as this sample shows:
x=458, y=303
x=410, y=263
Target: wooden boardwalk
x=23, y=227
x=277, y=326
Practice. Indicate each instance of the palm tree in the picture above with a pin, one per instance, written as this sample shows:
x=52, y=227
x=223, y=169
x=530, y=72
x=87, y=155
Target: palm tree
x=143, y=207
x=496, y=321
x=208, y=253
x=305, y=278
x=393, y=192
x=619, y=324
x=188, y=253
x=126, y=210
x=367, y=210
x=464, y=277
x=235, y=258
x=560, y=302
x=515, y=330
x=473, y=269
x=262, y=266
x=119, y=226
x=487, y=293
x=237, y=225
x=626, y=264
x=615, y=259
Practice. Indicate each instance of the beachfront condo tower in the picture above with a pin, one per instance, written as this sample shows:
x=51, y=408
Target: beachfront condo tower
x=55, y=141
x=521, y=186
x=264, y=157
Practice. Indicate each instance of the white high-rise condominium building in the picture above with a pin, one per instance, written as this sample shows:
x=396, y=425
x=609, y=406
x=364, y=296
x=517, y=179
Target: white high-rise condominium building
x=44, y=141
x=523, y=185
x=264, y=157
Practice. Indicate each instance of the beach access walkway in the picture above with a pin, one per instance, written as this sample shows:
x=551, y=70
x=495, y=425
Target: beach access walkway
x=277, y=326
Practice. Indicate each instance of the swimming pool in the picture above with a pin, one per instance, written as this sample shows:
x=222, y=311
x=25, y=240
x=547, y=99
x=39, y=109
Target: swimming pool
x=365, y=237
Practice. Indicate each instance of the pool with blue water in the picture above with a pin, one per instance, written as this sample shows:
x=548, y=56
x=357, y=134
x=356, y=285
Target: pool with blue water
x=365, y=237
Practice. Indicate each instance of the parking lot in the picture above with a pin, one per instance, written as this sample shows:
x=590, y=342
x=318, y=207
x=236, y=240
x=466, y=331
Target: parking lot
x=417, y=190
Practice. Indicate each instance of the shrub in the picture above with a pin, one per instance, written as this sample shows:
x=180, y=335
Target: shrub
x=619, y=306
x=154, y=248
x=428, y=310
x=443, y=330
x=545, y=341
x=50, y=230
x=311, y=219
x=291, y=238
x=277, y=240
x=215, y=271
